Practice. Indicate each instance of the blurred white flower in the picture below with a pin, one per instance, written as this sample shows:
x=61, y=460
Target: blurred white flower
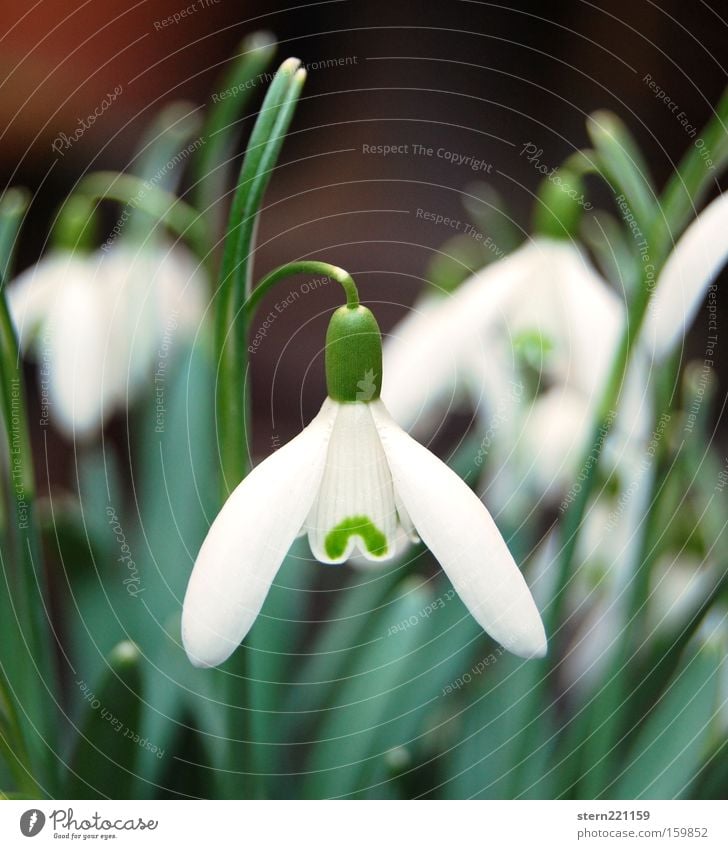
x=697, y=258
x=678, y=584
x=351, y=480
x=545, y=296
x=599, y=590
x=96, y=323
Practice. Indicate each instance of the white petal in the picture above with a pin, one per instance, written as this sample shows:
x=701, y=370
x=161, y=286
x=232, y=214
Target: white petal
x=182, y=292
x=131, y=278
x=425, y=354
x=356, y=493
x=698, y=256
x=465, y=341
x=460, y=532
x=248, y=540
x=564, y=300
x=71, y=353
x=32, y=294
x=554, y=439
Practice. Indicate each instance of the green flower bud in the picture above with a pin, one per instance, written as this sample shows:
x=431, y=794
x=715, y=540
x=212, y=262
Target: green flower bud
x=75, y=228
x=353, y=355
x=561, y=202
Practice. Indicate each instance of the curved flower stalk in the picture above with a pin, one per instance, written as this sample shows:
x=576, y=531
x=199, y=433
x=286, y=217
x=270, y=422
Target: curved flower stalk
x=97, y=322
x=352, y=481
x=546, y=294
x=698, y=256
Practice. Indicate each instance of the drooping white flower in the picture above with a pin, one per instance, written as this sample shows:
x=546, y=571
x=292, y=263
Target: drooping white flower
x=97, y=322
x=353, y=480
x=698, y=256
x=468, y=343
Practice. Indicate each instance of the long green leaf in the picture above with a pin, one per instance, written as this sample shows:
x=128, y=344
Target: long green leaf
x=447, y=643
x=697, y=173
x=232, y=94
x=351, y=725
x=261, y=156
x=103, y=763
x=668, y=751
x=624, y=167
x=164, y=151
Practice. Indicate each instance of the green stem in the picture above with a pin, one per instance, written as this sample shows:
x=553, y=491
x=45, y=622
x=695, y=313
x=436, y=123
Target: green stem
x=181, y=218
x=333, y=272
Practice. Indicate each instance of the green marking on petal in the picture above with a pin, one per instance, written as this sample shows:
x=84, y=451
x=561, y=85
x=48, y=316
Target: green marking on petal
x=337, y=538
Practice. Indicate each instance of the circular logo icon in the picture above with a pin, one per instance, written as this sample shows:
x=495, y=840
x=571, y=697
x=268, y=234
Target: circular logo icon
x=32, y=822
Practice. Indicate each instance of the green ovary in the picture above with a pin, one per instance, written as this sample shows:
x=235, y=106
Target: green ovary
x=337, y=538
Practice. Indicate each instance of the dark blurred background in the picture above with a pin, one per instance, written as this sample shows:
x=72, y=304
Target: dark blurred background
x=476, y=78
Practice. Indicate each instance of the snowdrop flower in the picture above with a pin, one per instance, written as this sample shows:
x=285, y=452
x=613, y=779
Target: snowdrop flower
x=352, y=480
x=546, y=290
x=697, y=258
x=96, y=323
